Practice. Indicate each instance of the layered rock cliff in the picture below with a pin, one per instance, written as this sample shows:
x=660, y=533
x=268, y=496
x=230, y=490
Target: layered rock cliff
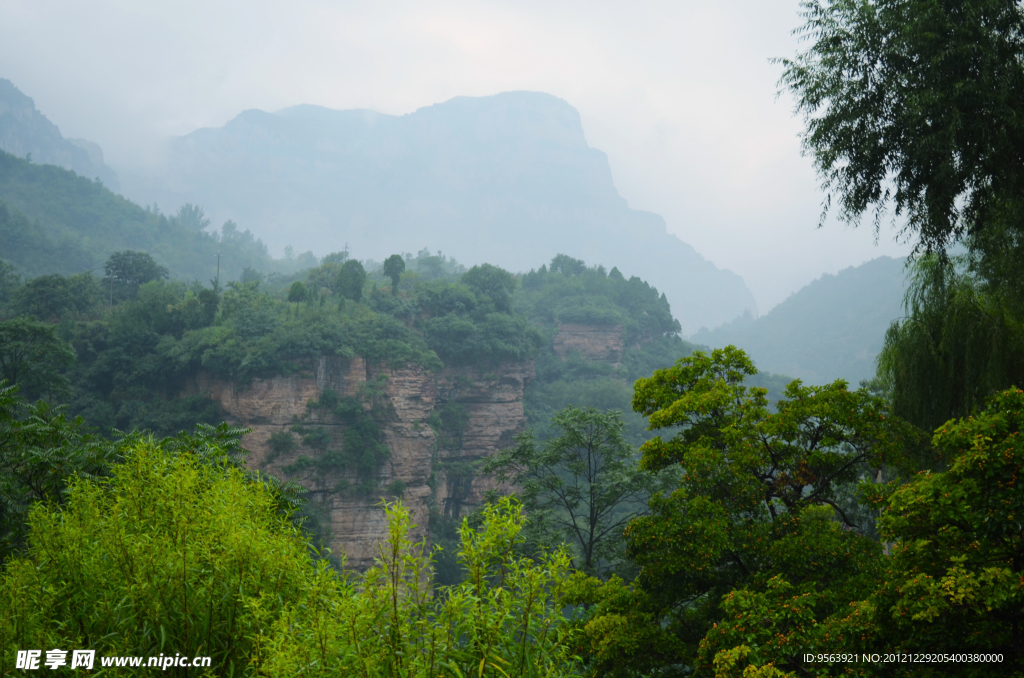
x=428, y=468
x=594, y=342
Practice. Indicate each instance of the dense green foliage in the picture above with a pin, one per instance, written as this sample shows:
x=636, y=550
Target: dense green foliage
x=956, y=579
x=952, y=583
x=962, y=340
x=505, y=619
x=34, y=357
x=93, y=563
x=126, y=271
x=171, y=554
x=132, y=363
x=40, y=452
x=760, y=498
x=570, y=292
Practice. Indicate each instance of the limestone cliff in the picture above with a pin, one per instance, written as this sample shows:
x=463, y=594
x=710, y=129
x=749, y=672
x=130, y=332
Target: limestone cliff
x=594, y=342
x=424, y=473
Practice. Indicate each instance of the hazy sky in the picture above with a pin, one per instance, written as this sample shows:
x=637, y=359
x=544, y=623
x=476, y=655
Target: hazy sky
x=679, y=94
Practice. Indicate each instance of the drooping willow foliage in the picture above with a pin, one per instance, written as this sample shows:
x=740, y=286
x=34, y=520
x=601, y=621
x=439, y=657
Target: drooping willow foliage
x=962, y=339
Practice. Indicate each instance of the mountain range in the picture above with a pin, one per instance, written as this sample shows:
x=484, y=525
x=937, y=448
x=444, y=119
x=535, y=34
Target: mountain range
x=832, y=328
x=507, y=179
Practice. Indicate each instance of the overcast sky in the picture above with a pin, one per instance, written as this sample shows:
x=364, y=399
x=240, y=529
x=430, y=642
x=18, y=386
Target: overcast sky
x=679, y=94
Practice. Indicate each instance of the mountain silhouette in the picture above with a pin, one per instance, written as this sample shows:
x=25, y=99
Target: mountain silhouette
x=25, y=132
x=507, y=179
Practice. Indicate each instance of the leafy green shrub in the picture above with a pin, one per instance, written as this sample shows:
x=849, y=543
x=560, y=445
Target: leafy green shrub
x=396, y=488
x=281, y=442
x=168, y=555
x=505, y=619
x=316, y=437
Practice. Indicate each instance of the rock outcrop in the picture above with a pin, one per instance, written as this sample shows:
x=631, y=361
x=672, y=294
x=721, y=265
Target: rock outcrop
x=424, y=474
x=594, y=342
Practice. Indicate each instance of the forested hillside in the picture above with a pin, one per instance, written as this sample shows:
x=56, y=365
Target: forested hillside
x=54, y=221
x=831, y=329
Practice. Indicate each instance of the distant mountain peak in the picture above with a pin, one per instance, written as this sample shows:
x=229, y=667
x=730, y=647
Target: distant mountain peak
x=25, y=132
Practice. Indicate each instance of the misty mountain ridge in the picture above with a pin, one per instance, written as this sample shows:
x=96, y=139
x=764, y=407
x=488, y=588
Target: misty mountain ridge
x=24, y=132
x=507, y=179
x=832, y=328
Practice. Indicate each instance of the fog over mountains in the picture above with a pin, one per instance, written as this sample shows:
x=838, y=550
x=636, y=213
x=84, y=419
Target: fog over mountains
x=507, y=179
x=832, y=328
x=25, y=132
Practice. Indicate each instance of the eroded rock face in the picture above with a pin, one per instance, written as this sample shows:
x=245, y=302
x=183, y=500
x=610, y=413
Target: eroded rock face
x=594, y=342
x=493, y=403
x=491, y=400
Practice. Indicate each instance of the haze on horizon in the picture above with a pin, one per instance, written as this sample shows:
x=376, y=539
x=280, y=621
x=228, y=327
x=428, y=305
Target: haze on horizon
x=682, y=98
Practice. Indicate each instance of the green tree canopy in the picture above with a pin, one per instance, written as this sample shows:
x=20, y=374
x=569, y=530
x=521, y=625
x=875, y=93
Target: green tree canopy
x=583, y=484
x=335, y=257
x=953, y=584
x=957, y=576
x=192, y=217
x=41, y=451
x=394, y=266
x=350, y=280
x=760, y=496
x=129, y=270
x=916, y=104
x=959, y=343
x=297, y=293
x=34, y=357
x=51, y=297
x=496, y=283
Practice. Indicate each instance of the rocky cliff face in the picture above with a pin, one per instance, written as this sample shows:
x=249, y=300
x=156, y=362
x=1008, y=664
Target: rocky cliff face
x=594, y=342
x=424, y=468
